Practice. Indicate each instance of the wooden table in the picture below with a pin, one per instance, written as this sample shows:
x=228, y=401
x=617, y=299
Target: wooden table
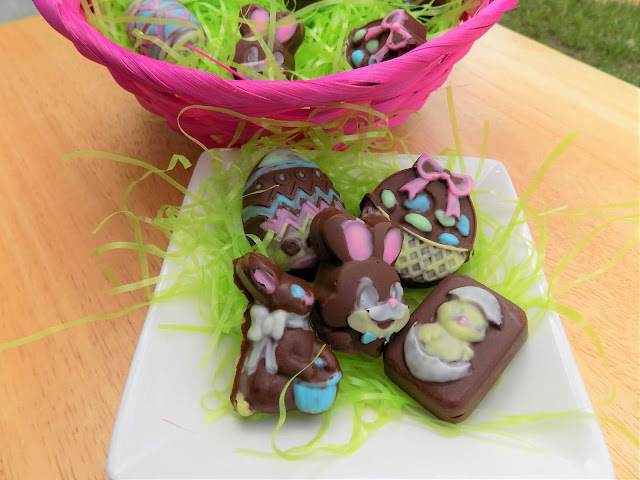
x=59, y=395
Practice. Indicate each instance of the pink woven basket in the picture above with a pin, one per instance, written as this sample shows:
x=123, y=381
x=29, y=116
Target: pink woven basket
x=401, y=84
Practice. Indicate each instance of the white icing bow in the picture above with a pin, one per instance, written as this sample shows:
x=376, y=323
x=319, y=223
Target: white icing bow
x=266, y=331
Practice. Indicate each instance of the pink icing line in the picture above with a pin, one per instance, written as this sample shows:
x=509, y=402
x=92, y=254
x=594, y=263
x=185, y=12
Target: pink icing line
x=453, y=191
x=286, y=217
x=191, y=47
x=394, y=22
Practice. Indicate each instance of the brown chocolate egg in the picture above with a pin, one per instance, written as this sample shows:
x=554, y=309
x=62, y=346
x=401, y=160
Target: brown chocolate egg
x=283, y=193
x=435, y=211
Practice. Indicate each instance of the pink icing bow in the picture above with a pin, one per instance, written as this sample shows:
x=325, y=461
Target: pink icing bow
x=394, y=23
x=454, y=191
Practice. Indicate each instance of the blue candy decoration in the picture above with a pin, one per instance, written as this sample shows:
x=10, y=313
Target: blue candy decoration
x=316, y=397
x=448, y=239
x=297, y=291
x=419, y=204
x=368, y=338
x=320, y=362
x=356, y=57
x=463, y=225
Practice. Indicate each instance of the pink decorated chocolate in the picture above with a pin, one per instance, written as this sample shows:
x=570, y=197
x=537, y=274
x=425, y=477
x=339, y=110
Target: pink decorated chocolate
x=384, y=39
x=287, y=35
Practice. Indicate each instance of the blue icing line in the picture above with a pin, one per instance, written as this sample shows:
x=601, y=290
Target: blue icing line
x=293, y=204
x=356, y=57
x=278, y=166
x=463, y=226
x=297, y=291
x=448, y=238
x=368, y=338
x=419, y=204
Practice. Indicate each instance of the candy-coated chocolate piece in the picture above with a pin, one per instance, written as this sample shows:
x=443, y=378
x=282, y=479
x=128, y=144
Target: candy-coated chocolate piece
x=360, y=299
x=173, y=35
x=278, y=343
x=283, y=193
x=435, y=211
x=455, y=346
x=384, y=39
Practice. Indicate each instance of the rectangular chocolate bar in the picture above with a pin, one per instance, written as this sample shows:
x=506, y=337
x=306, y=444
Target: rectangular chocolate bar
x=455, y=347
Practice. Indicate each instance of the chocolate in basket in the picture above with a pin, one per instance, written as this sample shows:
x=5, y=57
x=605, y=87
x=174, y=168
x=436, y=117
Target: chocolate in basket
x=384, y=39
x=287, y=38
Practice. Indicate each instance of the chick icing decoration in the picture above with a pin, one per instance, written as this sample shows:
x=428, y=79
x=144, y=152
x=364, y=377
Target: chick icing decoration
x=441, y=351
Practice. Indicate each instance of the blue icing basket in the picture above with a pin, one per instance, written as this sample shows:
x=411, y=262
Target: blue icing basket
x=316, y=397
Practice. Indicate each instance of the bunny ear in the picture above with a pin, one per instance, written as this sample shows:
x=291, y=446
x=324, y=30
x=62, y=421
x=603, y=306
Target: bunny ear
x=339, y=237
x=392, y=245
x=387, y=237
x=255, y=275
x=264, y=280
x=286, y=32
x=358, y=238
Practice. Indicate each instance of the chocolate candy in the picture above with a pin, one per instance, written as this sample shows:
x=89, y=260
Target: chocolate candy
x=173, y=35
x=384, y=39
x=435, y=211
x=278, y=343
x=360, y=300
x=287, y=37
x=455, y=347
x=298, y=4
x=283, y=193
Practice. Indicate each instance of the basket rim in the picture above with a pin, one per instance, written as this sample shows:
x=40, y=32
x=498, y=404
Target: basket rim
x=68, y=19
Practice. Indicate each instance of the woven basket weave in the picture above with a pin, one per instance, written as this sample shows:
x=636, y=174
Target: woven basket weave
x=164, y=89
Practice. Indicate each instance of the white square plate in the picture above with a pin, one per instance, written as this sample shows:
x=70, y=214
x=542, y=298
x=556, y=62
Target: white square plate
x=160, y=429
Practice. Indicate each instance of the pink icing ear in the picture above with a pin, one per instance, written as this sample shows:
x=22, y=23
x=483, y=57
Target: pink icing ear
x=265, y=280
x=358, y=239
x=286, y=32
x=392, y=246
x=260, y=19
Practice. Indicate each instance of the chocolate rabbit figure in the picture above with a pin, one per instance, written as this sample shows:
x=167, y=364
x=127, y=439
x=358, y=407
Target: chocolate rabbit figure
x=278, y=343
x=287, y=38
x=360, y=299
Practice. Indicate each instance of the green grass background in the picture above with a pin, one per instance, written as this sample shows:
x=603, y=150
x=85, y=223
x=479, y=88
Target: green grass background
x=602, y=33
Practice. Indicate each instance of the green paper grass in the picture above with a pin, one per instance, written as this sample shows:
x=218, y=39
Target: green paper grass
x=327, y=22
x=207, y=235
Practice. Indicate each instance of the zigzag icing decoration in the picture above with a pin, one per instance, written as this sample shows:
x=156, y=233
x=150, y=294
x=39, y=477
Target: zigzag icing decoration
x=301, y=221
x=293, y=204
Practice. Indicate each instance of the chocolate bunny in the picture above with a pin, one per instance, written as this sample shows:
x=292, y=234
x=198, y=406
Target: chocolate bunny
x=287, y=37
x=360, y=299
x=278, y=343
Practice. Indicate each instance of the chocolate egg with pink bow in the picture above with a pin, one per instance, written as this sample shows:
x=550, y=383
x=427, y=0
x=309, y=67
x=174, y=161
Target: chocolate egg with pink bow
x=283, y=194
x=434, y=208
x=384, y=39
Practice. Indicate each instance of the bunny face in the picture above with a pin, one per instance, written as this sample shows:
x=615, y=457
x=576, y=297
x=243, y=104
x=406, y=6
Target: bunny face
x=359, y=292
x=264, y=283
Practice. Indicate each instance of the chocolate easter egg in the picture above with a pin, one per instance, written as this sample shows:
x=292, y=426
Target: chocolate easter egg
x=435, y=211
x=283, y=193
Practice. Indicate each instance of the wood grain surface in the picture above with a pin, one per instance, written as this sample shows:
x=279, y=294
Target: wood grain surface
x=59, y=395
